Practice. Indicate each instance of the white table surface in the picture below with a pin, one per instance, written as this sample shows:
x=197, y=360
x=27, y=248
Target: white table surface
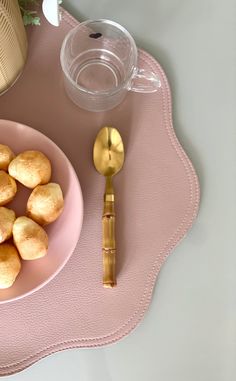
x=189, y=332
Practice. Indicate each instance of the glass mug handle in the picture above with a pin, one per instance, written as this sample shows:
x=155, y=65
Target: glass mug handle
x=144, y=81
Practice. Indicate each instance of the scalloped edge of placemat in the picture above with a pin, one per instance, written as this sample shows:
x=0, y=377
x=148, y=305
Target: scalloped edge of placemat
x=179, y=234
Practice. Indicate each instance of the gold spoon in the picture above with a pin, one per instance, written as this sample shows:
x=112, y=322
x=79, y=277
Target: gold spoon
x=108, y=158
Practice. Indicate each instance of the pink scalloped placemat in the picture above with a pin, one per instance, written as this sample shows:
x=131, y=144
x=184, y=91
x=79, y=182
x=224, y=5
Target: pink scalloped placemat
x=157, y=202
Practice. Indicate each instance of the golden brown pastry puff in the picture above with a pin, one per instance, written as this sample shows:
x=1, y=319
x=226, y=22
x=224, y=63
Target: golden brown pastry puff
x=45, y=203
x=6, y=156
x=7, y=218
x=8, y=188
x=30, y=238
x=10, y=265
x=31, y=168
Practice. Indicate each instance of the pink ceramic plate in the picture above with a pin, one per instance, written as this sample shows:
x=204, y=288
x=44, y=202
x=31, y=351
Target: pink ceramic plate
x=64, y=232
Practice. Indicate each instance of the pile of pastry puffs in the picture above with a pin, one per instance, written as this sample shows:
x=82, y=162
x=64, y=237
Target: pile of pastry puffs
x=23, y=237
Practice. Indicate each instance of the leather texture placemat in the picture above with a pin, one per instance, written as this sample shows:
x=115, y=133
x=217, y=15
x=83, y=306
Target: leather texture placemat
x=157, y=202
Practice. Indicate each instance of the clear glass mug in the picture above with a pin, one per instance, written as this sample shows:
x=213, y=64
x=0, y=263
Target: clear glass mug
x=99, y=62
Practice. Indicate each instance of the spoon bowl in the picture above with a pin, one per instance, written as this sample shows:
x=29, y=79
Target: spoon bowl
x=108, y=152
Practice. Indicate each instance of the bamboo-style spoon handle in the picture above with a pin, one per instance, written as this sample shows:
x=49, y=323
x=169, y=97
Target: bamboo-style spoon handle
x=108, y=241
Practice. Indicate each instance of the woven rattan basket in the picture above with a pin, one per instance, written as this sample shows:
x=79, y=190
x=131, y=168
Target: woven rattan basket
x=13, y=43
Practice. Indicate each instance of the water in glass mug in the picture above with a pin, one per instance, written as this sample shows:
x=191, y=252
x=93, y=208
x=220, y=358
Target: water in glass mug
x=97, y=70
